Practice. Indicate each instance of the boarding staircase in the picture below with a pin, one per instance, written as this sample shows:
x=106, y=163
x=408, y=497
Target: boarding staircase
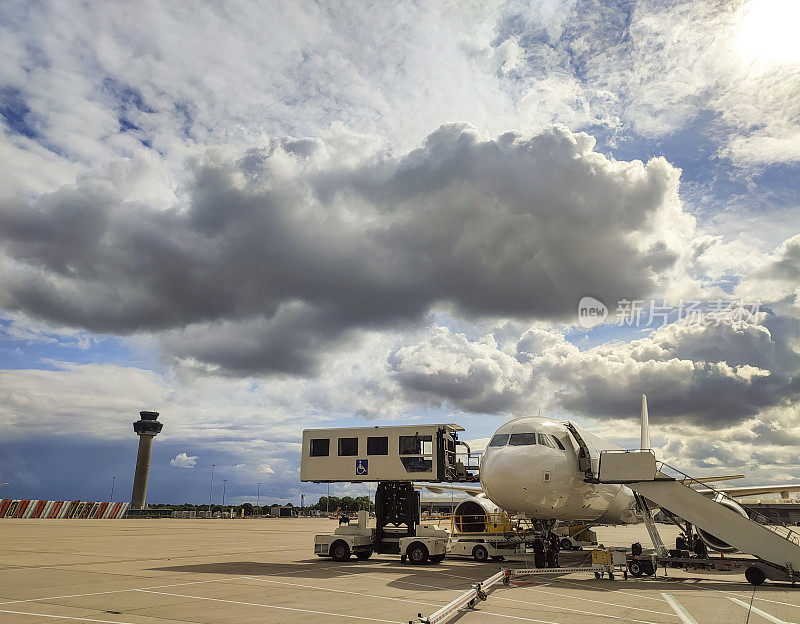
x=701, y=506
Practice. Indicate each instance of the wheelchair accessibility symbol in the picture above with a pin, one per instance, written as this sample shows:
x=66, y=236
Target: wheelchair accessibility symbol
x=361, y=466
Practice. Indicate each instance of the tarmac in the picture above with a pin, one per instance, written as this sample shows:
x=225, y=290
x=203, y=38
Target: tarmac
x=263, y=571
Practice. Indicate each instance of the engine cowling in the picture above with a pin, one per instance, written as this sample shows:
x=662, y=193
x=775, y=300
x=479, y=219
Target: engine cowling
x=714, y=542
x=472, y=515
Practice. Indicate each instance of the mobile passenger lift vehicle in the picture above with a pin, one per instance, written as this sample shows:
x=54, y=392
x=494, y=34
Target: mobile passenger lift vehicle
x=394, y=457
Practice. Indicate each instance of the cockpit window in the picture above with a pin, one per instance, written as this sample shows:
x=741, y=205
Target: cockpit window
x=501, y=439
x=545, y=440
x=558, y=443
x=522, y=439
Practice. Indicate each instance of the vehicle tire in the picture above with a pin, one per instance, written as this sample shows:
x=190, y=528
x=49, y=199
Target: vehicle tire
x=647, y=568
x=635, y=568
x=340, y=551
x=598, y=575
x=498, y=558
x=417, y=553
x=479, y=553
x=755, y=575
x=565, y=544
x=364, y=555
x=610, y=575
x=436, y=558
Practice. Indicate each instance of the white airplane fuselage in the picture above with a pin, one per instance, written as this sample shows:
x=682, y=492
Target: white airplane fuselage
x=544, y=481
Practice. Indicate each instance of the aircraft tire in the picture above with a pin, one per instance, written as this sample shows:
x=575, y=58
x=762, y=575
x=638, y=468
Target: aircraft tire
x=754, y=575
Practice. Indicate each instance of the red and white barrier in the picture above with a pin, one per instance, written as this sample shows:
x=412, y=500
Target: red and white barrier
x=10, y=508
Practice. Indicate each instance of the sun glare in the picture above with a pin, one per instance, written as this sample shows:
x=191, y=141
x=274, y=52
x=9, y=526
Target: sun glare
x=769, y=32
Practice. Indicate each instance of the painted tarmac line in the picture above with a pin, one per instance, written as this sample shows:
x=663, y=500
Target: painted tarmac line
x=269, y=606
x=609, y=604
x=758, y=611
x=679, y=609
x=119, y=591
x=64, y=617
x=620, y=591
x=592, y=613
x=344, y=591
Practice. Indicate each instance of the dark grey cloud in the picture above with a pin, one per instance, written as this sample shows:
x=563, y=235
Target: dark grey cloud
x=293, y=245
x=707, y=375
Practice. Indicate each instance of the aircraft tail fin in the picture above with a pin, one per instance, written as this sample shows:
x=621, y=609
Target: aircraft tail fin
x=645, y=437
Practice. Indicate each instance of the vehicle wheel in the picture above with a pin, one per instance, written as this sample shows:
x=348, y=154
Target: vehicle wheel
x=480, y=553
x=598, y=575
x=340, y=551
x=610, y=576
x=647, y=568
x=417, y=553
x=635, y=568
x=436, y=558
x=364, y=555
x=498, y=558
x=565, y=544
x=755, y=575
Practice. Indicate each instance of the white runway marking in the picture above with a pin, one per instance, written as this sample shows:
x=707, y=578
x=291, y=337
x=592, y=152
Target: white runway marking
x=268, y=606
x=679, y=609
x=593, y=613
x=119, y=591
x=344, y=591
x=610, y=604
x=757, y=611
x=64, y=617
x=620, y=591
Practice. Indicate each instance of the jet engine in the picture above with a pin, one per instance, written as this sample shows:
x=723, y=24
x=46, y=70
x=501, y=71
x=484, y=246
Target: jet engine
x=471, y=515
x=714, y=542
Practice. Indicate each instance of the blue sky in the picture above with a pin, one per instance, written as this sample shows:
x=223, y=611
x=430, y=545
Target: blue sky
x=279, y=216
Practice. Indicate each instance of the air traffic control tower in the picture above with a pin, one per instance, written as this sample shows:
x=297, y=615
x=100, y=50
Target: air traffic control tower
x=146, y=428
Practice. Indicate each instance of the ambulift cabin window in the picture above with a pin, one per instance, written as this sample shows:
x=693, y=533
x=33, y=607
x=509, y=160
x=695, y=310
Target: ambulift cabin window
x=501, y=439
x=348, y=447
x=320, y=447
x=378, y=446
x=417, y=445
x=522, y=439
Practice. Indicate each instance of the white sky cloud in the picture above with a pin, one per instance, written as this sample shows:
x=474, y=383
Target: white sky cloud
x=286, y=217
x=182, y=460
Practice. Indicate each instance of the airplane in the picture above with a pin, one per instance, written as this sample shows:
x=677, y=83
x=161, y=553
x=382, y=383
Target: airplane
x=537, y=467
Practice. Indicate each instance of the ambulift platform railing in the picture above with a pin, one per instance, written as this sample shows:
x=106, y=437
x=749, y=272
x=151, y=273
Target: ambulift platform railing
x=702, y=506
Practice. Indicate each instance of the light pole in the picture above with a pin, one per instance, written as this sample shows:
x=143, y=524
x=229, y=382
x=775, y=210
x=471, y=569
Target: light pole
x=112, y=488
x=224, y=485
x=258, y=499
x=211, y=488
x=328, y=501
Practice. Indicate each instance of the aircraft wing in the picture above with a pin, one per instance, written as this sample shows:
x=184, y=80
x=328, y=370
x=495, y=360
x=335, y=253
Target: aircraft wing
x=752, y=490
x=450, y=487
x=718, y=478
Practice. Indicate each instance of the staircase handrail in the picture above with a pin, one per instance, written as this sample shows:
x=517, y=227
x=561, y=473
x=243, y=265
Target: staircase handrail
x=763, y=520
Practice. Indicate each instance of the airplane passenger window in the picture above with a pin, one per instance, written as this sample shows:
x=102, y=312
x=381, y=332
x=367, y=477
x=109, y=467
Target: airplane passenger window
x=522, y=439
x=558, y=443
x=500, y=439
x=545, y=440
